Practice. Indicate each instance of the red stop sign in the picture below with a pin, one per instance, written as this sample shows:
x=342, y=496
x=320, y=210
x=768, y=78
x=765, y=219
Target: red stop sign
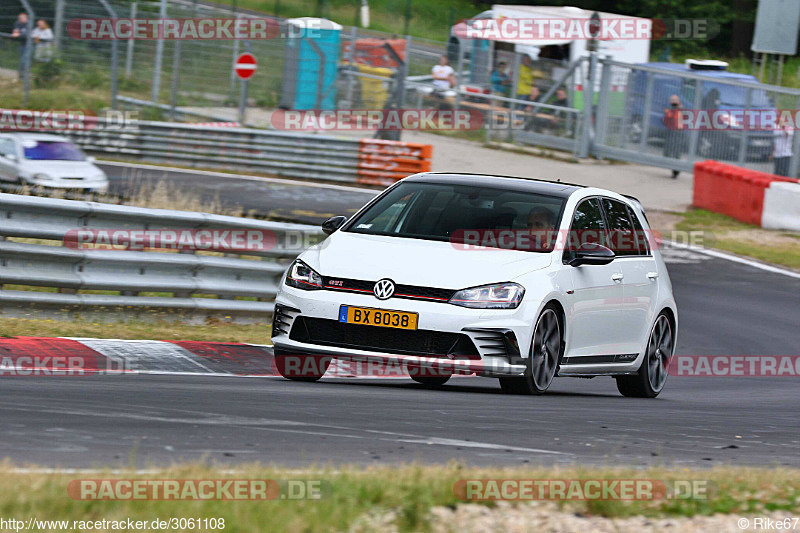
x=245, y=66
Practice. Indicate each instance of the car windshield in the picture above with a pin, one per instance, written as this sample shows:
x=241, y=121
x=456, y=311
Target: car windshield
x=464, y=214
x=731, y=95
x=52, y=151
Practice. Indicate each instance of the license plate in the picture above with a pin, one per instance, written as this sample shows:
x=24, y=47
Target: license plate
x=377, y=317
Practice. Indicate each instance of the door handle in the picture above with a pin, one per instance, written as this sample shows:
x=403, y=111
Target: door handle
x=617, y=277
x=652, y=275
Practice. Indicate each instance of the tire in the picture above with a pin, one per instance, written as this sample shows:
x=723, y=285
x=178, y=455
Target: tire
x=649, y=381
x=546, y=351
x=431, y=381
x=305, y=368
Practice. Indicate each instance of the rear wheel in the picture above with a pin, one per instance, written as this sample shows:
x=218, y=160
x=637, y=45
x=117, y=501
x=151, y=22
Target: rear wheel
x=652, y=375
x=545, y=357
x=308, y=368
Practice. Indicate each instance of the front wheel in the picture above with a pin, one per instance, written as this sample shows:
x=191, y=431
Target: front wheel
x=652, y=375
x=544, y=359
x=431, y=381
x=306, y=368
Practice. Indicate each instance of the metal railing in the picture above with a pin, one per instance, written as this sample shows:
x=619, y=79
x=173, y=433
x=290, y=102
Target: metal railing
x=134, y=274
x=295, y=155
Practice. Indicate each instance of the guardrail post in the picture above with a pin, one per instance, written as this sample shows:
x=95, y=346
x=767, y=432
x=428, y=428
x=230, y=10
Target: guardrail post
x=601, y=117
x=794, y=163
x=114, y=56
x=176, y=65
x=588, y=105
x=58, y=23
x=695, y=135
x=129, y=50
x=162, y=14
x=648, y=103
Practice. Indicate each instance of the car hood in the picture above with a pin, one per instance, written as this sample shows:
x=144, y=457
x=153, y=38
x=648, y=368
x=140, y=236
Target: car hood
x=418, y=262
x=76, y=169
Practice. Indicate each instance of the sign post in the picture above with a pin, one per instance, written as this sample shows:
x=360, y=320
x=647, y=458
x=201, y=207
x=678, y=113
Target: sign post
x=244, y=67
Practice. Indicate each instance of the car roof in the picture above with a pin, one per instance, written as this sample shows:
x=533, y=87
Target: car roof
x=26, y=136
x=680, y=67
x=516, y=183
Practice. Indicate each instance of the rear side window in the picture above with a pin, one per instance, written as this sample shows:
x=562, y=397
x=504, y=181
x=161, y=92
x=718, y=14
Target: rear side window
x=640, y=238
x=622, y=237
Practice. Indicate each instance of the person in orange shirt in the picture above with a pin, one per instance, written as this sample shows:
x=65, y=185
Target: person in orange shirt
x=673, y=142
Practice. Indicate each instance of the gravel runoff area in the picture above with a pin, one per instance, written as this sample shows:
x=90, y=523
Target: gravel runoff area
x=546, y=517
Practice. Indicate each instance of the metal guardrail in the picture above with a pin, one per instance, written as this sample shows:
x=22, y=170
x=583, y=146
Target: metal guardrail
x=296, y=155
x=72, y=269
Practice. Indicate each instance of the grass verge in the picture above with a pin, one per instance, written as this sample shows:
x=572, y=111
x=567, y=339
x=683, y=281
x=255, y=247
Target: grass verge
x=728, y=234
x=385, y=498
x=213, y=330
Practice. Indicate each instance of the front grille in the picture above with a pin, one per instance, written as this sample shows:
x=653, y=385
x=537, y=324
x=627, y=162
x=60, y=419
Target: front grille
x=412, y=292
x=387, y=340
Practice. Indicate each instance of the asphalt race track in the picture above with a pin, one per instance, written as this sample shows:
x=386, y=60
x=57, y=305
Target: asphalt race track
x=725, y=308
x=295, y=201
x=102, y=420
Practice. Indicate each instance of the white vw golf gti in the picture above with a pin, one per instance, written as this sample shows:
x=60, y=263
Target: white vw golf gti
x=513, y=278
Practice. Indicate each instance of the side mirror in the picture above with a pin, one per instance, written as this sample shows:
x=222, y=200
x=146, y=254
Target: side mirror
x=91, y=158
x=592, y=254
x=332, y=224
x=11, y=157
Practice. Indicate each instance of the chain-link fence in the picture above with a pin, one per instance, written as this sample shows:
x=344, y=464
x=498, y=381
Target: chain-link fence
x=516, y=94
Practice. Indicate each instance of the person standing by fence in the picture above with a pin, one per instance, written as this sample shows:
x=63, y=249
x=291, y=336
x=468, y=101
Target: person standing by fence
x=782, y=149
x=673, y=141
x=43, y=39
x=20, y=31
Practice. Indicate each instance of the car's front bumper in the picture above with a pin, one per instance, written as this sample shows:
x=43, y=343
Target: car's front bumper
x=495, y=335
x=96, y=185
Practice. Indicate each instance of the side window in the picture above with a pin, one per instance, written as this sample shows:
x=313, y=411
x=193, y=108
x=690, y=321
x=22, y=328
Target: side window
x=620, y=228
x=640, y=240
x=587, y=226
x=6, y=147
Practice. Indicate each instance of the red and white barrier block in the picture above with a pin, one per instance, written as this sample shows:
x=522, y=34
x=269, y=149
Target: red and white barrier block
x=753, y=197
x=781, y=206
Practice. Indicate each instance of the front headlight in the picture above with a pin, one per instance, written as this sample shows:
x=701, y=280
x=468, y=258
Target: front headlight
x=42, y=177
x=302, y=276
x=498, y=296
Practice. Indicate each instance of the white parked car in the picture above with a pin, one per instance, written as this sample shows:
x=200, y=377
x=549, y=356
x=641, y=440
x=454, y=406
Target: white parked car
x=513, y=278
x=49, y=161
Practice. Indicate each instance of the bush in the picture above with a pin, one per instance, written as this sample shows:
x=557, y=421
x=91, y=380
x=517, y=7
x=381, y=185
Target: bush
x=47, y=74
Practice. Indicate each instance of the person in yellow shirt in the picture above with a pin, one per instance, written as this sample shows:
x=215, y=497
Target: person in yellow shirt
x=525, y=80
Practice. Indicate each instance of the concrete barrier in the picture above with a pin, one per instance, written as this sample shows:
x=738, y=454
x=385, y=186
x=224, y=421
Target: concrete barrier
x=781, y=206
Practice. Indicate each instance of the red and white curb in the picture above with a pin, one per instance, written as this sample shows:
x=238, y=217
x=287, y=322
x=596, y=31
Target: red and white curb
x=59, y=356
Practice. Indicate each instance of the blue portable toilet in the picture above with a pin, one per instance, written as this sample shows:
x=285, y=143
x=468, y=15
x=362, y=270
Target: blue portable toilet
x=310, y=64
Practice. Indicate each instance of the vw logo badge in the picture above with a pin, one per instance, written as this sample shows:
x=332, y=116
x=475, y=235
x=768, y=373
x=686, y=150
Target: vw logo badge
x=384, y=289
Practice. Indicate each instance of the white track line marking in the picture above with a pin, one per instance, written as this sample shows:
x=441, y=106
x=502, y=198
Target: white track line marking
x=248, y=177
x=735, y=259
